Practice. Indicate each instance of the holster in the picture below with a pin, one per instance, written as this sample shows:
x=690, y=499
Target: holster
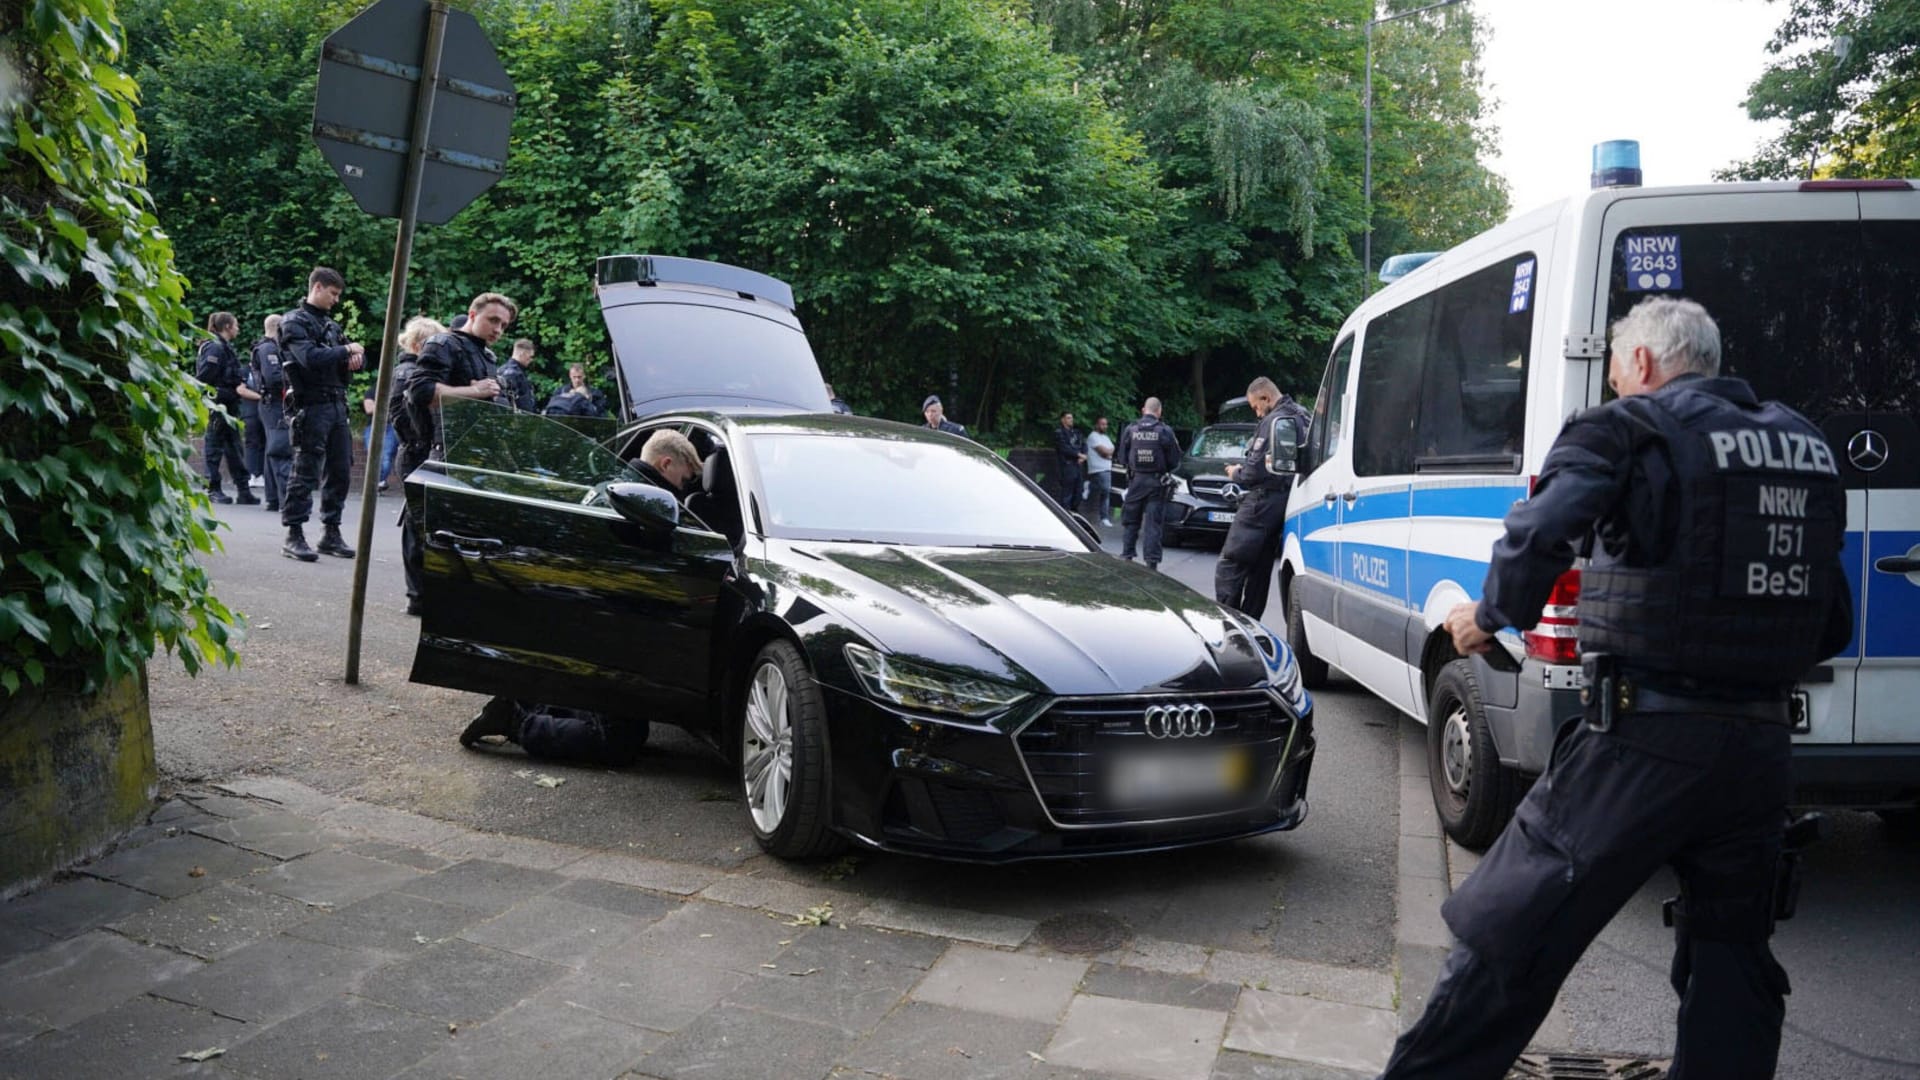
x=1606, y=693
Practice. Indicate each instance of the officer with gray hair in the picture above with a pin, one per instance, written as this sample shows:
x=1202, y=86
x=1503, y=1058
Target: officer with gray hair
x=1712, y=522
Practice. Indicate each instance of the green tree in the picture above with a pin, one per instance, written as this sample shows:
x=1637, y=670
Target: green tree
x=99, y=521
x=929, y=175
x=1846, y=82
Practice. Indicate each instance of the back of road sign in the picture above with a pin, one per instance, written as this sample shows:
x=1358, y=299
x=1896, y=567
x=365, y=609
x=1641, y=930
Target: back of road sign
x=363, y=110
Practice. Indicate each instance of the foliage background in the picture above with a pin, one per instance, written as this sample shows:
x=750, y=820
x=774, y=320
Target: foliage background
x=1025, y=206
x=99, y=520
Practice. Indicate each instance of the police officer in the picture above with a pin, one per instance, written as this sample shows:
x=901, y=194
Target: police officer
x=318, y=360
x=1151, y=452
x=455, y=365
x=269, y=375
x=936, y=416
x=1714, y=523
x=516, y=387
x=1069, y=456
x=220, y=369
x=1247, y=554
x=668, y=460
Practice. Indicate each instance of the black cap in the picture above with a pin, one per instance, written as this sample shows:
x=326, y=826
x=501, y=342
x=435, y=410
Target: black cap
x=932, y=400
x=459, y=322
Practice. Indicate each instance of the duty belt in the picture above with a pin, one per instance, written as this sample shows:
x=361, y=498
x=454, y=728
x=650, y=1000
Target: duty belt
x=1642, y=700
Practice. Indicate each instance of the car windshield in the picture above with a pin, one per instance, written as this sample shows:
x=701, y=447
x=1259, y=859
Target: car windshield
x=894, y=490
x=1217, y=442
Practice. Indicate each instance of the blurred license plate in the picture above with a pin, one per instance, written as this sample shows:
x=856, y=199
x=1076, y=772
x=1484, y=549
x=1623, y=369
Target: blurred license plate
x=1145, y=779
x=1221, y=517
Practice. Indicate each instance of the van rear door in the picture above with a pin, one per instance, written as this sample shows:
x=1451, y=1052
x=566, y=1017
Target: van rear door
x=1885, y=452
x=1784, y=274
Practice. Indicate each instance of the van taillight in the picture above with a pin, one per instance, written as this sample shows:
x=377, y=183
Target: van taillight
x=1554, y=641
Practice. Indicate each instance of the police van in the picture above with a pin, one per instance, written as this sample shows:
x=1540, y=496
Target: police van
x=1445, y=389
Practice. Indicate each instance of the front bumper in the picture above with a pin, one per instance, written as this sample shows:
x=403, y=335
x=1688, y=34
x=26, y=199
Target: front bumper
x=1195, y=515
x=984, y=795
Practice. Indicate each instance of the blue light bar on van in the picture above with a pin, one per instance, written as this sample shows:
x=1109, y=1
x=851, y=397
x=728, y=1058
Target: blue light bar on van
x=1855, y=185
x=1399, y=266
x=669, y=269
x=1616, y=163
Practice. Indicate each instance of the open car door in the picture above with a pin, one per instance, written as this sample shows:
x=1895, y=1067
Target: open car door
x=537, y=588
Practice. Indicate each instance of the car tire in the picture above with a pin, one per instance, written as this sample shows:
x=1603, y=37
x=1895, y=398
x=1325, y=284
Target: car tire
x=1313, y=670
x=1473, y=793
x=786, y=784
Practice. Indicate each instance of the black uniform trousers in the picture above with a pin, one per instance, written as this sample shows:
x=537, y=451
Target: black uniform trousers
x=278, y=454
x=323, y=458
x=561, y=734
x=253, y=439
x=1703, y=794
x=1070, y=479
x=413, y=553
x=1240, y=578
x=223, y=443
x=1142, y=516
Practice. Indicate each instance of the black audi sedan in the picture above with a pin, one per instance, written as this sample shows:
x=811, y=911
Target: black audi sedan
x=897, y=639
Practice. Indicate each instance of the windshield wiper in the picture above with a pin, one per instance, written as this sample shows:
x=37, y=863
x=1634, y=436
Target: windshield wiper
x=1018, y=547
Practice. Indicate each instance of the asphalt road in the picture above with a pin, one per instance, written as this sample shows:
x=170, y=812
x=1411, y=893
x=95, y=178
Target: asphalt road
x=1325, y=892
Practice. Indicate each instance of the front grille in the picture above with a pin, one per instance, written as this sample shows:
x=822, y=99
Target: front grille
x=1207, y=487
x=1069, y=751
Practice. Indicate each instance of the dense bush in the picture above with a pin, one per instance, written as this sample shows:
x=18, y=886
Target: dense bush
x=99, y=518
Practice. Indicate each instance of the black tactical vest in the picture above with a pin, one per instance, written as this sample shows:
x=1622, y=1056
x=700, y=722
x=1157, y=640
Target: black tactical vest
x=1742, y=594
x=1147, y=446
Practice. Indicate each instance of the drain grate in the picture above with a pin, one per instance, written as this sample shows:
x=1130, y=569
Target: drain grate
x=1084, y=932
x=1585, y=1067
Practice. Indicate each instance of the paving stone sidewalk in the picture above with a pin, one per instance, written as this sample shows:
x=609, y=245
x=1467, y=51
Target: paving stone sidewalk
x=263, y=929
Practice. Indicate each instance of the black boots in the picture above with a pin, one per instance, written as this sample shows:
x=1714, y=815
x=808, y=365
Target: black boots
x=331, y=544
x=501, y=716
x=221, y=497
x=246, y=498
x=296, y=546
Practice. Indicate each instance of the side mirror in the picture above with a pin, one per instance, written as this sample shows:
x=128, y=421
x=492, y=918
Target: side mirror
x=1283, y=449
x=653, y=509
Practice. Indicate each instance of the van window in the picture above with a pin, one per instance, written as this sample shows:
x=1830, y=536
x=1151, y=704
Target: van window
x=1473, y=393
x=1789, y=298
x=1386, y=401
x=1443, y=377
x=1330, y=408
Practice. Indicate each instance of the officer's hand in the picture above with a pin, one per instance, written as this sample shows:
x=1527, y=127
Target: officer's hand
x=1467, y=635
x=1233, y=471
x=356, y=356
x=488, y=387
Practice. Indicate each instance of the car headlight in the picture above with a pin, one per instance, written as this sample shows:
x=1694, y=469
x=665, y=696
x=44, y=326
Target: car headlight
x=1179, y=485
x=1283, y=670
x=925, y=689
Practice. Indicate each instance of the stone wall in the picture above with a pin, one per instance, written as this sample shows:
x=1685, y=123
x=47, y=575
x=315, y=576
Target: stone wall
x=76, y=772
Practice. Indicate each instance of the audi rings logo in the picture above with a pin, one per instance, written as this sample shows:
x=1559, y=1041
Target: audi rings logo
x=1179, y=721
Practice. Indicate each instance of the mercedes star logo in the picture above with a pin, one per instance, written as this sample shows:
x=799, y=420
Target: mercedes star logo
x=1179, y=721
x=1867, y=450
x=1230, y=491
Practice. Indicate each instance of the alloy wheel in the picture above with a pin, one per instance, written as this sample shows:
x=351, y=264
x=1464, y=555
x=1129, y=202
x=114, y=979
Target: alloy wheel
x=766, y=758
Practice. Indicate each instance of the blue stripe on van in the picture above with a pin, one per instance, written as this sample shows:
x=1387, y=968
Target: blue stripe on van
x=1386, y=505
x=1467, y=502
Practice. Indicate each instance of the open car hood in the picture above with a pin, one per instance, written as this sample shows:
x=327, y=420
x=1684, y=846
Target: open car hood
x=691, y=334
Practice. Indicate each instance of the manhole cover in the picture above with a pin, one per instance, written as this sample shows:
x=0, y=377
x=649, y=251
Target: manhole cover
x=1084, y=932
x=1585, y=1067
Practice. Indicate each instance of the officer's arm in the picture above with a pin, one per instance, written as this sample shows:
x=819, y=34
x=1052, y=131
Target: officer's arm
x=1584, y=476
x=1839, y=629
x=1173, y=450
x=297, y=347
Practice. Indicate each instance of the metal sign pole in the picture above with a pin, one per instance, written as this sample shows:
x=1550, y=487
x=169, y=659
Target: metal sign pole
x=396, y=301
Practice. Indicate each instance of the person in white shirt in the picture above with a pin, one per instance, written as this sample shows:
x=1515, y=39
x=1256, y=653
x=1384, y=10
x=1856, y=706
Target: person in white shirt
x=1100, y=472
